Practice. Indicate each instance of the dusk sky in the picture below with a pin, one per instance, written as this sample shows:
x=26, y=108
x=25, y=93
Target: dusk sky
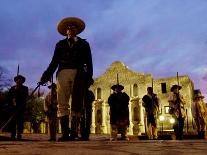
x=158, y=37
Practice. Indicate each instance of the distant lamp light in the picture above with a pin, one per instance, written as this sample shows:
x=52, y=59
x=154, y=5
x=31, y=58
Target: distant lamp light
x=172, y=120
x=161, y=118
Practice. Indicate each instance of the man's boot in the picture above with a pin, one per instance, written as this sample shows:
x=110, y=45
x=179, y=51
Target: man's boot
x=202, y=134
x=199, y=134
x=64, y=122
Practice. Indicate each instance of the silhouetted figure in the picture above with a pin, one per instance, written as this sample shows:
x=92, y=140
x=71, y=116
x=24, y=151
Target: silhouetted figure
x=177, y=110
x=151, y=105
x=85, y=123
x=72, y=57
x=119, y=112
x=18, y=95
x=199, y=113
x=51, y=111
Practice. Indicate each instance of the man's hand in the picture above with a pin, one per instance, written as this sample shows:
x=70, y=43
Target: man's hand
x=14, y=102
x=44, y=79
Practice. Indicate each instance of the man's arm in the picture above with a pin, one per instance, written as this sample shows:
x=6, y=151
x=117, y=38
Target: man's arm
x=52, y=66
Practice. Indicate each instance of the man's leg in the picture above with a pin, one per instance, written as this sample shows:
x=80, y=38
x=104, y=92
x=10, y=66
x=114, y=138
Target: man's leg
x=114, y=132
x=20, y=125
x=154, y=128
x=65, y=80
x=53, y=128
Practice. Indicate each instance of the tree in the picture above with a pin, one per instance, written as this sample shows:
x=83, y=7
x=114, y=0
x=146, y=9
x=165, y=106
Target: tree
x=35, y=111
x=5, y=80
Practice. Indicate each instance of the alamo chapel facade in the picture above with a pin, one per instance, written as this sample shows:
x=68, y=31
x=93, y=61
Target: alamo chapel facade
x=135, y=85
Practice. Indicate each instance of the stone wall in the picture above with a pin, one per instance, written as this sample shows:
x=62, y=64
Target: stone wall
x=135, y=85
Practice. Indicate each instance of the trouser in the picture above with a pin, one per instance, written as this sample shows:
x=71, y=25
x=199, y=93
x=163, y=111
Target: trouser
x=178, y=127
x=86, y=123
x=81, y=124
x=201, y=127
x=17, y=125
x=64, y=122
x=53, y=126
x=152, y=131
x=65, y=81
x=119, y=127
x=152, y=126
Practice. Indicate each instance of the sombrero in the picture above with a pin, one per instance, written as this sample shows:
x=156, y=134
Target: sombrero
x=197, y=94
x=175, y=86
x=63, y=24
x=117, y=86
x=19, y=77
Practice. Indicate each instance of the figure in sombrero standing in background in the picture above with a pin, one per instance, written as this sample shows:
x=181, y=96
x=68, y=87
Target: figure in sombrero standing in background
x=151, y=105
x=119, y=112
x=18, y=96
x=199, y=113
x=50, y=108
x=177, y=110
x=72, y=57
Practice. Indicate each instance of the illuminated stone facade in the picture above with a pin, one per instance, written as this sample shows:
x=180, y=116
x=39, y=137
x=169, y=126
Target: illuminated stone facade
x=135, y=85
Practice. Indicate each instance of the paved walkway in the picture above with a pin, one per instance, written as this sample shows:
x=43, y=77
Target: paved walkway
x=37, y=144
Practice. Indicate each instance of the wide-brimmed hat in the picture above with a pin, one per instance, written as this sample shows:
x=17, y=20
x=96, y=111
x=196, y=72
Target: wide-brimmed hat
x=198, y=94
x=64, y=23
x=19, y=77
x=53, y=85
x=175, y=86
x=118, y=86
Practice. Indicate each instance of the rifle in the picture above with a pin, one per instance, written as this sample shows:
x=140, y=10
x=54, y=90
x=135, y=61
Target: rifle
x=178, y=98
x=84, y=110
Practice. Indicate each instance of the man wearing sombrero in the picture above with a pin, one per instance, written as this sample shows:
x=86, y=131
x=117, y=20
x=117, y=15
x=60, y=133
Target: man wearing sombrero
x=151, y=105
x=119, y=112
x=177, y=110
x=50, y=107
x=17, y=99
x=72, y=57
x=199, y=113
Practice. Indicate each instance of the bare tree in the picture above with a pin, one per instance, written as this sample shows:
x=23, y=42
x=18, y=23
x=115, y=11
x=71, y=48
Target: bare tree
x=5, y=80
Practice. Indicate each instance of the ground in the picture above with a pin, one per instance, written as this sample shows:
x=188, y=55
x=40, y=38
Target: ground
x=37, y=144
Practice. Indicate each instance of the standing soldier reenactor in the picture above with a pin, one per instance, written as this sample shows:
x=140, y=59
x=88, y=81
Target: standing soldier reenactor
x=18, y=95
x=177, y=110
x=73, y=60
x=51, y=111
x=151, y=105
x=119, y=112
x=199, y=113
x=85, y=124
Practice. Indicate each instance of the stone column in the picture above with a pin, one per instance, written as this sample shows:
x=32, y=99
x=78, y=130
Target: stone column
x=131, y=124
x=104, y=112
x=93, y=119
x=142, y=125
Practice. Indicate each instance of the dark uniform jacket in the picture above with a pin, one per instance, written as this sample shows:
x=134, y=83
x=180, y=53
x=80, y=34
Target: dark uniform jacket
x=119, y=109
x=66, y=57
x=77, y=57
x=151, y=104
x=20, y=95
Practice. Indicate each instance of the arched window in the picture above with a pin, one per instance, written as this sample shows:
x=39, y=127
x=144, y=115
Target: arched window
x=98, y=93
x=135, y=90
x=136, y=114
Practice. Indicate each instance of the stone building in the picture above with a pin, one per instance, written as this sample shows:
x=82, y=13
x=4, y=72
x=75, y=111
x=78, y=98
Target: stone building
x=135, y=85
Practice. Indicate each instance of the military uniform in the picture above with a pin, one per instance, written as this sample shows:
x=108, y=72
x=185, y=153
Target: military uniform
x=151, y=105
x=177, y=110
x=18, y=96
x=199, y=113
x=119, y=112
x=72, y=57
x=51, y=111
